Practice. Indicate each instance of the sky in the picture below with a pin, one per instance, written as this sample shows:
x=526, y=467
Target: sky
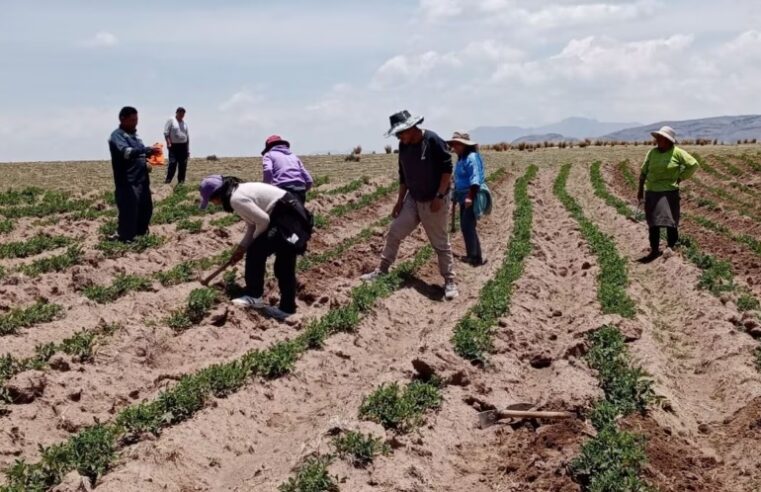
x=326, y=75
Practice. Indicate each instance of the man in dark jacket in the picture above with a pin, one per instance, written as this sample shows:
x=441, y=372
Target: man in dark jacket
x=425, y=176
x=133, y=186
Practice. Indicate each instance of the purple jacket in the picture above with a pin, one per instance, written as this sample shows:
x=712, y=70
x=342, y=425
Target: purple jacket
x=284, y=169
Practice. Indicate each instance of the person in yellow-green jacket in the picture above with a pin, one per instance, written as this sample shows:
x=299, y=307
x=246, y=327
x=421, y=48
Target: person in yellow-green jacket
x=665, y=167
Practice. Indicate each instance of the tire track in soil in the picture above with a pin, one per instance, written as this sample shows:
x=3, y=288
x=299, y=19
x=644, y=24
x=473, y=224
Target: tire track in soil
x=700, y=363
x=252, y=439
x=141, y=360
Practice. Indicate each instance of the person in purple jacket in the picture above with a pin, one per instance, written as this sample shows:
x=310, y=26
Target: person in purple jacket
x=282, y=168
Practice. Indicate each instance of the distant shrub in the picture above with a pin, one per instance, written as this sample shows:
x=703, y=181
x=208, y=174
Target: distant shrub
x=212, y=157
x=388, y=149
x=357, y=150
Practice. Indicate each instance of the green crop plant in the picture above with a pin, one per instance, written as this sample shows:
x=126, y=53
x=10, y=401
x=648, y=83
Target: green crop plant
x=115, y=249
x=312, y=476
x=33, y=246
x=401, y=409
x=707, y=203
x=320, y=181
x=6, y=226
x=359, y=449
x=52, y=202
x=614, y=459
x=57, y=263
x=108, y=228
x=311, y=260
x=747, y=302
x=192, y=226
x=37, y=313
x=190, y=395
x=472, y=337
x=757, y=358
x=200, y=301
x=613, y=277
x=121, y=286
x=717, y=275
x=598, y=183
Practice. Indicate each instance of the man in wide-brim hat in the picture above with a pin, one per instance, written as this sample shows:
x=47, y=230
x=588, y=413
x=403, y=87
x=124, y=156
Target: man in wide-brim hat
x=425, y=175
x=665, y=167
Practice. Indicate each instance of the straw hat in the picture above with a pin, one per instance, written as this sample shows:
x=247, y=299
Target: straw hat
x=666, y=132
x=463, y=138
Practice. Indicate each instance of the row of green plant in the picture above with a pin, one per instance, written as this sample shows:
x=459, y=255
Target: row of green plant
x=116, y=249
x=613, y=460
x=80, y=346
x=72, y=256
x=93, y=450
x=17, y=318
x=349, y=187
x=627, y=174
x=598, y=183
x=365, y=200
x=735, y=172
x=401, y=409
x=119, y=287
x=730, y=168
x=751, y=242
x=752, y=162
x=312, y=260
x=613, y=278
x=473, y=333
x=33, y=246
x=52, y=202
x=27, y=195
x=742, y=207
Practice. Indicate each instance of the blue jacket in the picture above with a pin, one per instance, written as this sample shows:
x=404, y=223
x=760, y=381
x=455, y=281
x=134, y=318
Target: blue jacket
x=468, y=172
x=128, y=158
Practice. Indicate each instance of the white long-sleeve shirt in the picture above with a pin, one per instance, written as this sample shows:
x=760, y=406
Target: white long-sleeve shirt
x=254, y=202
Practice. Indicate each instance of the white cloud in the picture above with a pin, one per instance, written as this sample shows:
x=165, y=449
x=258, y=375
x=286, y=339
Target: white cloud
x=102, y=39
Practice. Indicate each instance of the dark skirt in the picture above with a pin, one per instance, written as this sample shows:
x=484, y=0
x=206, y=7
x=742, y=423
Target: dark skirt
x=662, y=208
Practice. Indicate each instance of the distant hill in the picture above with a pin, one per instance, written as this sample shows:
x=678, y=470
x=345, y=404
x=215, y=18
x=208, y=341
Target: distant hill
x=547, y=137
x=723, y=128
x=572, y=128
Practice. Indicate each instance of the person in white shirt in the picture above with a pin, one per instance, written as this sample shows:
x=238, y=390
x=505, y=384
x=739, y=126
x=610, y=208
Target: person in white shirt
x=178, y=144
x=277, y=224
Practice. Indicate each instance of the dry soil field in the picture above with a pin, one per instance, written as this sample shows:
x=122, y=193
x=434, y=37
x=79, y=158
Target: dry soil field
x=120, y=372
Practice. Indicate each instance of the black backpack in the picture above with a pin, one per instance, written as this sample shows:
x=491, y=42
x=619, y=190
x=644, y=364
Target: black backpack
x=291, y=225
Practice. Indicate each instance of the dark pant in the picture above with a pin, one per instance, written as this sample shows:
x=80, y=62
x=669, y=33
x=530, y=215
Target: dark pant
x=672, y=234
x=468, y=227
x=135, y=207
x=178, y=161
x=285, y=265
x=300, y=193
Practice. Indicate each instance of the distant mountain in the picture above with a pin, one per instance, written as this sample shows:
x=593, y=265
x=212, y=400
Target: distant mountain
x=578, y=128
x=722, y=128
x=547, y=137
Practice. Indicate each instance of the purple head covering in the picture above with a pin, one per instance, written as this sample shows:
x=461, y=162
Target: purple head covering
x=208, y=186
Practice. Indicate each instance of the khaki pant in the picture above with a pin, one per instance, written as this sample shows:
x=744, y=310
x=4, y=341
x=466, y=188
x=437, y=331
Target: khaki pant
x=435, y=226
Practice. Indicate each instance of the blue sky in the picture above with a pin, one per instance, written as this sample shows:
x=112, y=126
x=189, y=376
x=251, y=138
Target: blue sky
x=327, y=74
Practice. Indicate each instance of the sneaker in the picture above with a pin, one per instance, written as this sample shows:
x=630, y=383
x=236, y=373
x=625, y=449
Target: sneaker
x=250, y=302
x=369, y=277
x=276, y=313
x=450, y=291
x=667, y=253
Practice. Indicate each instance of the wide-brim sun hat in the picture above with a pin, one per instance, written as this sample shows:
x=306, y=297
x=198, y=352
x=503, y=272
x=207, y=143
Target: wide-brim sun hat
x=666, y=132
x=209, y=185
x=463, y=138
x=274, y=140
x=401, y=121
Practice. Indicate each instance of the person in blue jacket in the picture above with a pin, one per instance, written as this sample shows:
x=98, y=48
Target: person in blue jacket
x=470, y=192
x=133, y=186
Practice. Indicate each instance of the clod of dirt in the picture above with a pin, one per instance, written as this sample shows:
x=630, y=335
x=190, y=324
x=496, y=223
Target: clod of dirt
x=586, y=265
x=424, y=369
x=218, y=316
x=75, y=395
x=60, y=362
x=74, y=482
x=26, y=386
x=631, y=332
x=458, y=378
x=478, y=404
x=541, y=361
